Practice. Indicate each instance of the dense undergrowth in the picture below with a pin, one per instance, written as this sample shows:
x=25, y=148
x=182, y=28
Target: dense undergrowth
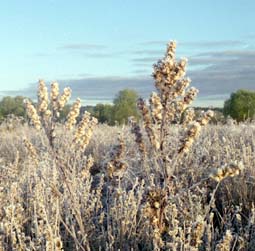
x=167, y=182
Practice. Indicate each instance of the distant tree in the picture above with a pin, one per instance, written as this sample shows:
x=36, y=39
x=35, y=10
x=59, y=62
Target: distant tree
x=64, y=112
x=15, y=106
x=87, y=108
x=104, y=113
x=125, y=106
x=12, y=105
x=240, y=106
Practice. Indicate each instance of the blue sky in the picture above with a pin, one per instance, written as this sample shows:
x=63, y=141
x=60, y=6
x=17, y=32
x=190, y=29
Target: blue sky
x=101, y=47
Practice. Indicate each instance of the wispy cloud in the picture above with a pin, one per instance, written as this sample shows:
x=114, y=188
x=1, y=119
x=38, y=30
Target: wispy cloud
x=84, y=50
x=99, y=54
x=154, y=42
x=145, y=60
x=250, y=36
x=228, y=72
x=229, y=53
x=90, y=50
x=147, y=52
x=209, y=44
x=206, y=44
x=203, y=61
x=42, y=55
x=233, y=61
x=82, y=46
x=141, y=71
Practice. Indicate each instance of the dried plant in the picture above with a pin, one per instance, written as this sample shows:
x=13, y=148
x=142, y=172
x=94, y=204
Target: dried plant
x=167, y=107
x=228, y=170
x=76, y=186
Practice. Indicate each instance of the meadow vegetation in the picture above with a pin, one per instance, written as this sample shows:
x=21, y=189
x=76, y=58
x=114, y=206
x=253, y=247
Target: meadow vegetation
x=169, y=181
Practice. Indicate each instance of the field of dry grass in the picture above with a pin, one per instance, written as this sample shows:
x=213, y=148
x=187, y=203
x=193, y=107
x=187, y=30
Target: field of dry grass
x=42, y=207
x=149, y=185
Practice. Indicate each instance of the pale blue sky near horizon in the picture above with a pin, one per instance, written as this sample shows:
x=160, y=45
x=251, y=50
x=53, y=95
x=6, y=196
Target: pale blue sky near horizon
x=100, y=47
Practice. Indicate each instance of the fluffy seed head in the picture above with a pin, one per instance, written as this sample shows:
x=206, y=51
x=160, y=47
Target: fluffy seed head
x=54, y=95
x=73, y=114
x=63, y=99
x=32, y=114
x=42, y=97
x=227, y=170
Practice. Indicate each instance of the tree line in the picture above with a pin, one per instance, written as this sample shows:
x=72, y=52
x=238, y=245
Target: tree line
x=124, y=106
x=240, y=106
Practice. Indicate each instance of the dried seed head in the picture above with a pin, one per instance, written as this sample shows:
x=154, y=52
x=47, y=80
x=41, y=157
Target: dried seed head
x=156, y=107
x=47, y=114
x=73, y=114
x=32, y=114
x=54, y=95
x=151, y=132
x=193, y=131
x=82, y=127
x=180, y=70
x=205, y=117
x=63, y=99
x=136, y=130
x=171, y=47
x=179, y=89
x=31, y=150
x=190, y=96
x=165, y=71
x=84, y=131
x=42, y=97
x=188, y=116
x=116, y=167
x=227, y=170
